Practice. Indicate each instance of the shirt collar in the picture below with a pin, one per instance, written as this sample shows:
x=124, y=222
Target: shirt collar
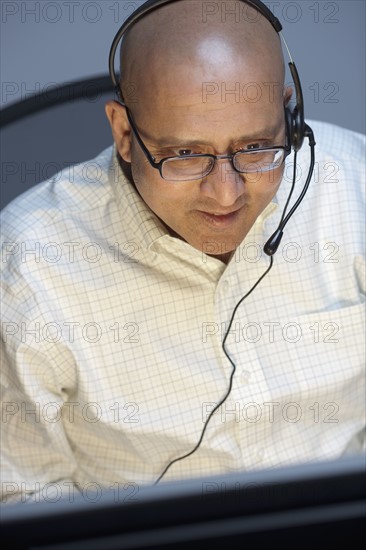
x=143, y=224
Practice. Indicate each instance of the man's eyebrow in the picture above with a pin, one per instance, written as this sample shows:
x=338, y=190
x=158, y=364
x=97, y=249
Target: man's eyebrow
x=173, y=141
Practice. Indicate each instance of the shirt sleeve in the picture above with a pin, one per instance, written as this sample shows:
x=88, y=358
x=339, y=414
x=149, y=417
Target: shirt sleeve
x=37, y=379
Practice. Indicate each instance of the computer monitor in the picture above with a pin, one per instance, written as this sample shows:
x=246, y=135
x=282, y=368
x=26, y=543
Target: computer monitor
x=318, y=505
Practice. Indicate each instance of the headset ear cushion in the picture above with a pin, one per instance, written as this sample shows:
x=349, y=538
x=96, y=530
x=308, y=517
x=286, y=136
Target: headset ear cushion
x=289, y=126
x=298, y=127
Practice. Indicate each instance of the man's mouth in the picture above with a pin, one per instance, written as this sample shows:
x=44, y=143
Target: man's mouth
x=219, y=218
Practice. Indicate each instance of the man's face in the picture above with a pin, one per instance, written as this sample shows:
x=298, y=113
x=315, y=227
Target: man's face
x=196, y=111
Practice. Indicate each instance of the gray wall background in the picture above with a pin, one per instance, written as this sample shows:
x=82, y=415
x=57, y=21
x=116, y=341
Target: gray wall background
x=46, y=42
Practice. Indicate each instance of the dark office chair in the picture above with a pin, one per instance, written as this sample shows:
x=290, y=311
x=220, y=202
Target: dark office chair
x=49, y=131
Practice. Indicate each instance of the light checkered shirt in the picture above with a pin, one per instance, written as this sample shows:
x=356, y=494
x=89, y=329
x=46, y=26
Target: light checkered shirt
x=112, y=331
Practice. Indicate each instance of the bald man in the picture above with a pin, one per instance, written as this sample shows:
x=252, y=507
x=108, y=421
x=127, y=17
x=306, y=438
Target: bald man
x=128, y=358
x=170, y=66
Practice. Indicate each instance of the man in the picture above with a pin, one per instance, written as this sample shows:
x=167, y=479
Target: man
x=114, y=323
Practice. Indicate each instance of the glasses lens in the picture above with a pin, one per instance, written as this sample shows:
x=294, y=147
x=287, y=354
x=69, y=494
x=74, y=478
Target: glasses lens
x=258, y=161
x=186, y=169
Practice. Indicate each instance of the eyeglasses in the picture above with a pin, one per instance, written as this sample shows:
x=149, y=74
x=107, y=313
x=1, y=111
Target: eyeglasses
x=197, y=166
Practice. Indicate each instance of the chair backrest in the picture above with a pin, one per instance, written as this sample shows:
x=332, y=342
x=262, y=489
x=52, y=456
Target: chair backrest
x=47, y=132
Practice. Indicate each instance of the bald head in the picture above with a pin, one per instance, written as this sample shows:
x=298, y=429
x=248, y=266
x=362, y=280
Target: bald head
x=187, y=42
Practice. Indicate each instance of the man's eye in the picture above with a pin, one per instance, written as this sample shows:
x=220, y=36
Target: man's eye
x=184, y=152
x=250, y=147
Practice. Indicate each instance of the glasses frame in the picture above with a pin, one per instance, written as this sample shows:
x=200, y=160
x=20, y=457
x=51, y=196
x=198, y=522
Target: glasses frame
x=159, y=165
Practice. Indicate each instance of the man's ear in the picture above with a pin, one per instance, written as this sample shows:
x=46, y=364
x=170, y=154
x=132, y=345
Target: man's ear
x=121, y=129
x=287, y=95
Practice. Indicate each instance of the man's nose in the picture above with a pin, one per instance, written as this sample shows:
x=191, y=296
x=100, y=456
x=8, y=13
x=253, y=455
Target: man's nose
x=223, y=184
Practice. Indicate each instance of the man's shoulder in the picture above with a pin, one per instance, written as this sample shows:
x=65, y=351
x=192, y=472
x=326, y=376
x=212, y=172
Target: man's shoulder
x=339, y=171
x=74, y=191
x=338, y=142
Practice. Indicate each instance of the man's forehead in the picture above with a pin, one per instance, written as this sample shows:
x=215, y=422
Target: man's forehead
x=172, y=97
x=249, y=134
x=217, y=126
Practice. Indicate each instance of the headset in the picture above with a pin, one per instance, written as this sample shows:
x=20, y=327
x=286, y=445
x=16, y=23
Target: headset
x=296, y=130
